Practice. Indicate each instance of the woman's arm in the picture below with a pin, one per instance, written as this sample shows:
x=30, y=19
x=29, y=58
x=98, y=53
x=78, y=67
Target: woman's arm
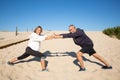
x=35, y=37
x=48, y=37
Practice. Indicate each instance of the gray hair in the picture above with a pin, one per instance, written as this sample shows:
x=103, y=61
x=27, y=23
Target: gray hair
x=72, y=25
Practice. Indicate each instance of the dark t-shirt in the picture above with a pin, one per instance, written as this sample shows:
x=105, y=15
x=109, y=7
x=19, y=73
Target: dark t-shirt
x=79, y=37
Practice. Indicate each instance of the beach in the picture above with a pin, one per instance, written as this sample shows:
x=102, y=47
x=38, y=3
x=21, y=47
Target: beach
x=60, y=58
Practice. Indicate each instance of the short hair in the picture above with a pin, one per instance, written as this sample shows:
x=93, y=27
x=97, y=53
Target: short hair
x=72, y=25
x=37, y=28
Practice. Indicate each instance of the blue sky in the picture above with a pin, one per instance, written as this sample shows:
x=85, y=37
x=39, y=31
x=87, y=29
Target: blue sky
x=90, y=15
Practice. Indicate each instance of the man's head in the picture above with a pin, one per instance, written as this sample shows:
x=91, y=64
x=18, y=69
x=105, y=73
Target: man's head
x=72, y=29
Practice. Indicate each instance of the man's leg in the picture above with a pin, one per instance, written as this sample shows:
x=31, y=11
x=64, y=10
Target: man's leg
x=97, y=56
x=79, y=57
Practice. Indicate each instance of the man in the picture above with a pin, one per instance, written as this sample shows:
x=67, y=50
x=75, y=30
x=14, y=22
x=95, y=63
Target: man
x=82, y=40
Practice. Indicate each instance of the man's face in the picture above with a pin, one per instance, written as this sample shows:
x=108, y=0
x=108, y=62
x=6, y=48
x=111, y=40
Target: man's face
x=72, y=29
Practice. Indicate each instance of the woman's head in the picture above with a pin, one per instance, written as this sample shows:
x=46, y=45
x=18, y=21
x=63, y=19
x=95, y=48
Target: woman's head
x=38, y=30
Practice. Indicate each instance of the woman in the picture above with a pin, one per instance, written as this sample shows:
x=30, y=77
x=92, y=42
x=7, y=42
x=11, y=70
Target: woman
x=33, y=48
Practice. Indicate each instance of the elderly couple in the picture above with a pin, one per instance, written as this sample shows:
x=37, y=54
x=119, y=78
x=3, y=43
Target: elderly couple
x=79, y=38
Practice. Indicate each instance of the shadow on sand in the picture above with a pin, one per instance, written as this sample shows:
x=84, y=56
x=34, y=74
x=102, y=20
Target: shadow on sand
x=76, y=62
x=59, y=54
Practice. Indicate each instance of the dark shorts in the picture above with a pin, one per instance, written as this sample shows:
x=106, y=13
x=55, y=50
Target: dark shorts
x=88, y=49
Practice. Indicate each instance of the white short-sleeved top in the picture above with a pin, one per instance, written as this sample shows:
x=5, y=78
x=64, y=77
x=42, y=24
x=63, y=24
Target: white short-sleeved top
x=35, y=41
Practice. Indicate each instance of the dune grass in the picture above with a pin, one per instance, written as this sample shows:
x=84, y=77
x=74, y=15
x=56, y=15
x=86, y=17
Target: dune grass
x=113, y=32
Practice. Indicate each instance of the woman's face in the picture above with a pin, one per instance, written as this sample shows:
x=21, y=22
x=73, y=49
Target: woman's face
x=38, y=31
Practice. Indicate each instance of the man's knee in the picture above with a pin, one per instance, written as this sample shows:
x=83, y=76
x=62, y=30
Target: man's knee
x=79, y=53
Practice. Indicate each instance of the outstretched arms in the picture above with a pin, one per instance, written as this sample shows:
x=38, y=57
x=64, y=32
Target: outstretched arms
x=49, y=37
x=53, y=36
x=57, y=36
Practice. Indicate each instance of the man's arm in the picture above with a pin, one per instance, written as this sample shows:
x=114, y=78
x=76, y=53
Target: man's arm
x=67, y=35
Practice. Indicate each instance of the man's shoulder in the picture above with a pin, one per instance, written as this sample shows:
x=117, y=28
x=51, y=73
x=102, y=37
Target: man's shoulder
x=78, y=29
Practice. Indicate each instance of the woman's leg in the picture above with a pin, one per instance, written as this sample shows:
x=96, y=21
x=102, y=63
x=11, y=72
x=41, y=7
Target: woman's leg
x=13, y=60
x=42, y=58
x=24, y=55
x=19, y=58
x=42, y=61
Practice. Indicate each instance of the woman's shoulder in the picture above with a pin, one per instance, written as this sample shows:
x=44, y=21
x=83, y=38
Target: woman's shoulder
x=34, y=34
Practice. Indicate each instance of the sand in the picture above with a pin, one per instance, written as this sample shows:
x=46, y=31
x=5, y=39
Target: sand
x=61, y=60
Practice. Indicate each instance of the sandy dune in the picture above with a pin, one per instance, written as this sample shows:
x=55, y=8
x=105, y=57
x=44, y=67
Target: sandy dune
x=61, y=60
